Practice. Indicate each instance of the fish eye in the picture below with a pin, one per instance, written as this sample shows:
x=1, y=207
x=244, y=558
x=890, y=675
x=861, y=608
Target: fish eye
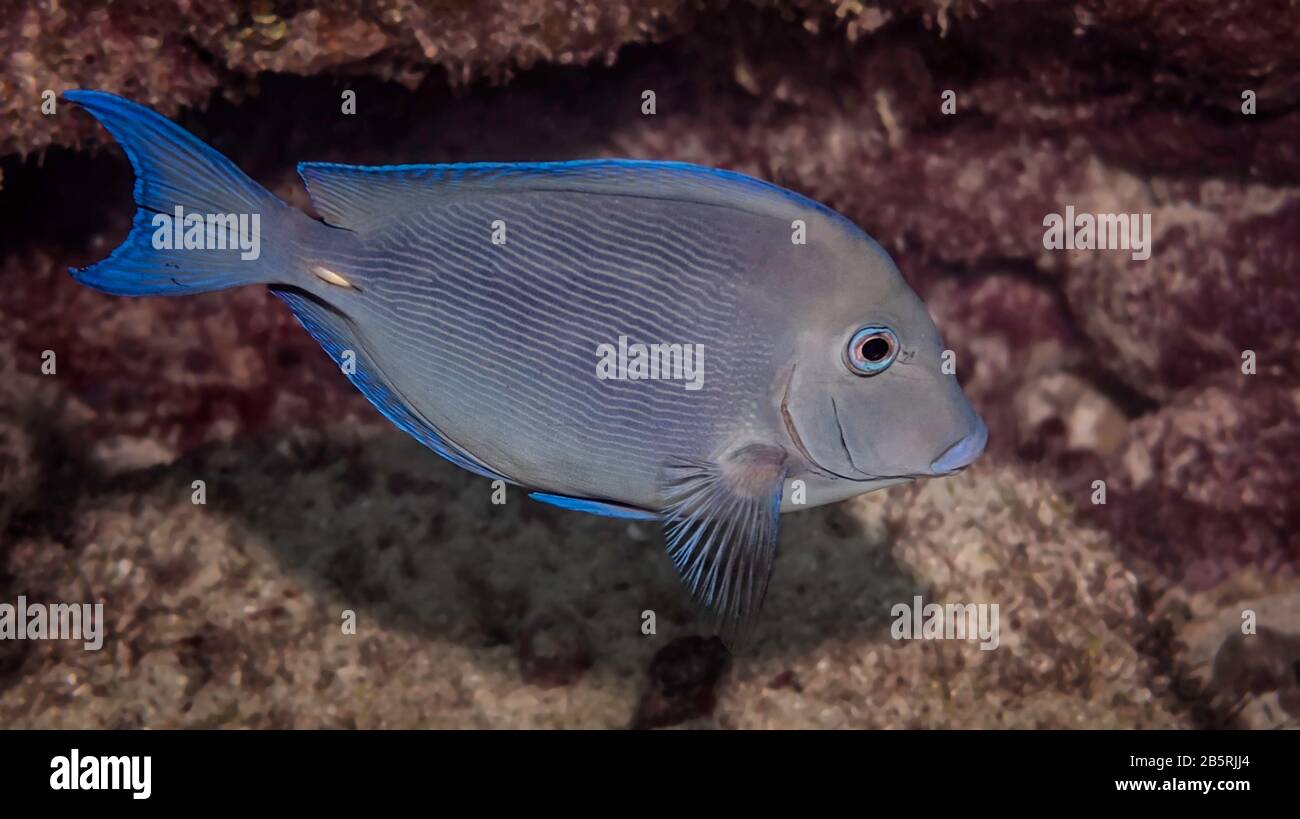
x=871, y=350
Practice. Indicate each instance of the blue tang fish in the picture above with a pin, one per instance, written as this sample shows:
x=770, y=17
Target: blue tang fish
x=644, y=340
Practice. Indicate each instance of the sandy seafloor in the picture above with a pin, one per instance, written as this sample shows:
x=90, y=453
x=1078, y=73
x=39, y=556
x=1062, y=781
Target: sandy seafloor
x=1086, y=366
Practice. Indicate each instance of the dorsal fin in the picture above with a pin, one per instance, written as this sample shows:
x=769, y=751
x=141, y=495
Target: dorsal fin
x=356, y=196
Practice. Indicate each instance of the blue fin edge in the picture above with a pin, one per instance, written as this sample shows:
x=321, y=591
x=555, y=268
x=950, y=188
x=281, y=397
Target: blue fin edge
x=453, y=173
x=594, y=507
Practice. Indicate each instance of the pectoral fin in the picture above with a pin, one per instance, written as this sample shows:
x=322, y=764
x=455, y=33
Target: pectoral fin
x=721, y=526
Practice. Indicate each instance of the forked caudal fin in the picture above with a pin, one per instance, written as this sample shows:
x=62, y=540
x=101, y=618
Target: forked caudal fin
x=201, y=223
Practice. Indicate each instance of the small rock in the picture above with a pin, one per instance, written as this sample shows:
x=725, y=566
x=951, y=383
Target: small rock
x=683, y=678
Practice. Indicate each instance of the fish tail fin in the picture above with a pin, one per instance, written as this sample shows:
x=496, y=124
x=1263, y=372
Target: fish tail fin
x=199, y=222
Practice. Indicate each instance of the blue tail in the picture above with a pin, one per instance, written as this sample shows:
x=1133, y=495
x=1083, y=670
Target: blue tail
x=201, y=224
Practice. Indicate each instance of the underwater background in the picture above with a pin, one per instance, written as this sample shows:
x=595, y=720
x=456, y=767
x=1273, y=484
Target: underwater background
x=1087, y=366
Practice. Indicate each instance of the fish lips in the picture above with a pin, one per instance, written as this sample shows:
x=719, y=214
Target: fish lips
x=963, y=453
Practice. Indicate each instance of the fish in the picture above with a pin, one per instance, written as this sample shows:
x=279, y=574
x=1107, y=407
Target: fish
x=639, y=339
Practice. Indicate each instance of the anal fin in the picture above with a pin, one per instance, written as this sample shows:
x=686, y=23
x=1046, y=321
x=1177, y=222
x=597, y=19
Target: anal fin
x=594, y=507
x=335, y=333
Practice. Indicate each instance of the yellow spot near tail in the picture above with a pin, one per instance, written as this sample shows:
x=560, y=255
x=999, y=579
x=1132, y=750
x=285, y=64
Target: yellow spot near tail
x=330, y=277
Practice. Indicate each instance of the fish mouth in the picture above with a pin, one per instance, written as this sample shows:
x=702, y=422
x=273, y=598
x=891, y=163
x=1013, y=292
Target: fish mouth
x=963, y=453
